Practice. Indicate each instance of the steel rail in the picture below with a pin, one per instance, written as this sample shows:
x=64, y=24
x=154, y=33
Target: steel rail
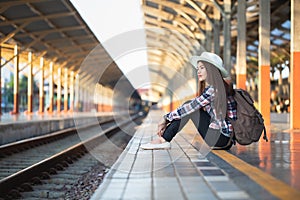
x=14, y=181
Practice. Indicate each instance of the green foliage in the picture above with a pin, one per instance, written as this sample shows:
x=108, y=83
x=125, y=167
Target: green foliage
x=23, y=84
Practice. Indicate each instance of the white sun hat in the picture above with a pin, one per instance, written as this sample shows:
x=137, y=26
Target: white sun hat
x=212, y=59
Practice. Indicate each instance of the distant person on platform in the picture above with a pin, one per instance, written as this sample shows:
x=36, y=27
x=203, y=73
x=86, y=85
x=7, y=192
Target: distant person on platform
x=210, y=110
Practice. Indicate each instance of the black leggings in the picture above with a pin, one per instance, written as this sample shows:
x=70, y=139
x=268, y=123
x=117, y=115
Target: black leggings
x=201, y=120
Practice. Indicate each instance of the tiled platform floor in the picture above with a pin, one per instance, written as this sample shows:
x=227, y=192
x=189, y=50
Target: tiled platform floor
x=190, y=170
x=280, y=157
x=179, y=173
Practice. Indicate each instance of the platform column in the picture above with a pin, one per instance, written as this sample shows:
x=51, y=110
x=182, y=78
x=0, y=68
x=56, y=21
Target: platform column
x=241, y=62
x=58, y=100
x=216, y=29
x=264, y=60
x=16, y=80
x=208, y=33
x=76, y=97
x=171, y=101
x=295, y=65
x=85, y=98
x=51, y=88
x=30, y=84
x=66, y=90
x=227, y=35
x=1, y=80
x=103, y=99
x=82, y=97
x=88, y=100
x=41, y=86
x=72, y=91
x=100, y=100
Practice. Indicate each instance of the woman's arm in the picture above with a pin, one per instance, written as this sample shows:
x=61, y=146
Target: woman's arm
x=162, y=125
x=195, y=104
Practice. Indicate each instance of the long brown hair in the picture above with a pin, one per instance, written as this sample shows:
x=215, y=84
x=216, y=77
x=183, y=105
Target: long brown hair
x=201, y=86
x=221, y=87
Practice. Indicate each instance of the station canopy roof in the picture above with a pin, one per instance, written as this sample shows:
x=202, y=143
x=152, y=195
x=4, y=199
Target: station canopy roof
x=189, y=19
x=55, y=30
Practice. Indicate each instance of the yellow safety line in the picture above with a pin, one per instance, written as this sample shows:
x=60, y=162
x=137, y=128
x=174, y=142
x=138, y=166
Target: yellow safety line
x=271, y=184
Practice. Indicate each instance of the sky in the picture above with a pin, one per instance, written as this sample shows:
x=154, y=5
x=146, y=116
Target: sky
x=109, y=19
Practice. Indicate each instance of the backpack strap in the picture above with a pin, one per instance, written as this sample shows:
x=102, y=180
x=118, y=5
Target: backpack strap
x=265, y=135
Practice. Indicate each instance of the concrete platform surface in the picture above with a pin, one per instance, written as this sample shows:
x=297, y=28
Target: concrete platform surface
x=190, y=170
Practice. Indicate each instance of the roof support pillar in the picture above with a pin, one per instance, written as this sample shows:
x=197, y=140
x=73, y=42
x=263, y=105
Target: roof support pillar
x=72, y=91
x=76, y=97
x=51, y=88
x=208, y=33
x=105, y=97
x=66, y=90
x=1, y=81
x=58, y=100
x=82, y=97
x=89, y=102
x=227, y=35
x=16, y=80
x=295, y=65
x=30, y=84
x=241, y=65
x=41, y=87
x=264, y=59
x=171, y=106
x=217, y=17
x=84, y=94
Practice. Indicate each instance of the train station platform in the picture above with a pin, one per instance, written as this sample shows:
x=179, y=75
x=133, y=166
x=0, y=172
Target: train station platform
x=190, y=170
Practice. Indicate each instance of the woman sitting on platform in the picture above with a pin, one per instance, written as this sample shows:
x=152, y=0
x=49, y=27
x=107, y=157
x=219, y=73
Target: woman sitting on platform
x=209, y=111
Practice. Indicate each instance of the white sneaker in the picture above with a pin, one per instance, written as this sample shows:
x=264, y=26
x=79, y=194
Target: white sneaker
x=149, y=146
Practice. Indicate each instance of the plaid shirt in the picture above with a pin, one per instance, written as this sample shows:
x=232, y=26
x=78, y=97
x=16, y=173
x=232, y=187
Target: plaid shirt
x=205, y=100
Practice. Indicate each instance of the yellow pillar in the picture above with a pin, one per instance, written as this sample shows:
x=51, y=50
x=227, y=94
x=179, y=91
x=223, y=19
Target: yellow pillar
x=16, y=80
x=1, y=81
x=72, y=91
x=51, y=88
x=295, y=65
x=66, y=90
x=76, y=95
x=41, y=86
x=58, y=89
x=30, y=84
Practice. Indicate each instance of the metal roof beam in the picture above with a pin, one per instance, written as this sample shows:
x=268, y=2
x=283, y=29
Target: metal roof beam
x=13, y=33
x=180, y=28
x=200, y=11
x=36, y=18
x=176, y=6
x=5, y=5
x=71, y=28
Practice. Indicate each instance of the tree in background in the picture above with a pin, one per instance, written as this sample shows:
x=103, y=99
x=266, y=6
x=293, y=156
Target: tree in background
x=8, y=93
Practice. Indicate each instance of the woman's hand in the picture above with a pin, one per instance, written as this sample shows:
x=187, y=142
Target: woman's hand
x=161, y=127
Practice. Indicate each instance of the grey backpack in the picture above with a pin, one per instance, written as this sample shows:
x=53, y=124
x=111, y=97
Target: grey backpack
x=249, y=124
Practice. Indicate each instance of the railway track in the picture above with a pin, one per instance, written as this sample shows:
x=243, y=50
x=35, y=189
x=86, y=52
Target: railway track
x=49, y=166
